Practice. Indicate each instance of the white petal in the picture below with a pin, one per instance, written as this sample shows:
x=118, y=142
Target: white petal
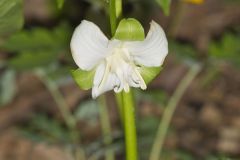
x=88, y=45
x=153, y=50
x=99, y=74
x=110, y=84
x=103, y=80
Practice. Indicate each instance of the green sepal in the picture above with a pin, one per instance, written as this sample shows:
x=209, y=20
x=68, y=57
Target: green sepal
x=149, y=73
x=84, y=79
x=129, y=30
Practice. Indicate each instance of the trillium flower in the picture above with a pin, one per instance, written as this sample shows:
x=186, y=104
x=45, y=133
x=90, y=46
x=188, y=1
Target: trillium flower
x=117, y=63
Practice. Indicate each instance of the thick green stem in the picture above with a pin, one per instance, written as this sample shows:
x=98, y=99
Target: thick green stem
x=106, y=126
x=129, y=126
x=115, y=12
x=119, y=99
x=168, y=113
x=124, y=100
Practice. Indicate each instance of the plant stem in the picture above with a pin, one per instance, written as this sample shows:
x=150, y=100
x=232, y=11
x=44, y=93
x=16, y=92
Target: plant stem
x=124, y=100
x=106, y=126
x=63, y=108
x=59, y=99
x=119, y=99
x=129, y=125
x=115, y=12
x=168, y=113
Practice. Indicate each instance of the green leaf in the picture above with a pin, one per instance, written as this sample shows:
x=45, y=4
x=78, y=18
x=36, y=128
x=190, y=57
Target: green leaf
x=129, y=30
x=84, y=79
x=149, y=73
x=183, y=51
x=38, y=47
x=60, y=3
x=165, y=5
x=11, y=16
x=42, y=128
x=39, y=39
x=226, y=49
x=27, y=60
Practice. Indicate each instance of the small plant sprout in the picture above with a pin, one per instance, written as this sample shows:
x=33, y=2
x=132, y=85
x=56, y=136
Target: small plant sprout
x=127, y=60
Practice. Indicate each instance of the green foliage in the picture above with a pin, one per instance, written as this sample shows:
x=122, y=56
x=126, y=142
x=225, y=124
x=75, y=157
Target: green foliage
x=184, y=155
x=37, y=47
x=227, y=48
x=60, y=3
x=184, y=52
x=27, y=60
x=129, y=30
x=146, y=127
x=165, y=5
x=11, y=16
x=84, y=79
x=42, y=128
x=7, y=86
x=158, y=97
x=219, y=157
x=58, y=73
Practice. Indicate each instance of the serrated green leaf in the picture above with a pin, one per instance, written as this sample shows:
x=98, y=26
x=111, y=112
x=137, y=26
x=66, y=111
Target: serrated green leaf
x=129, y=30
x=165, y=5
x=11, y=16
x=60, y=3
x=149, y=73
x=84, y=79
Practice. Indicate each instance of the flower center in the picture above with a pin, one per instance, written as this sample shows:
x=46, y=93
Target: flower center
x=121, y=64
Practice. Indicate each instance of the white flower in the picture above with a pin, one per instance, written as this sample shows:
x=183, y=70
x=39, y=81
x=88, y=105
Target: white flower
x=117, y=62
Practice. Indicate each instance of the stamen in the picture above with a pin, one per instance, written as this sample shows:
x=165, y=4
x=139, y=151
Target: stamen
x=120, y=64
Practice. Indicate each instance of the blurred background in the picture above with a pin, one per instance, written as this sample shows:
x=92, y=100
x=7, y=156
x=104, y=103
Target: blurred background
x=37, y=91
